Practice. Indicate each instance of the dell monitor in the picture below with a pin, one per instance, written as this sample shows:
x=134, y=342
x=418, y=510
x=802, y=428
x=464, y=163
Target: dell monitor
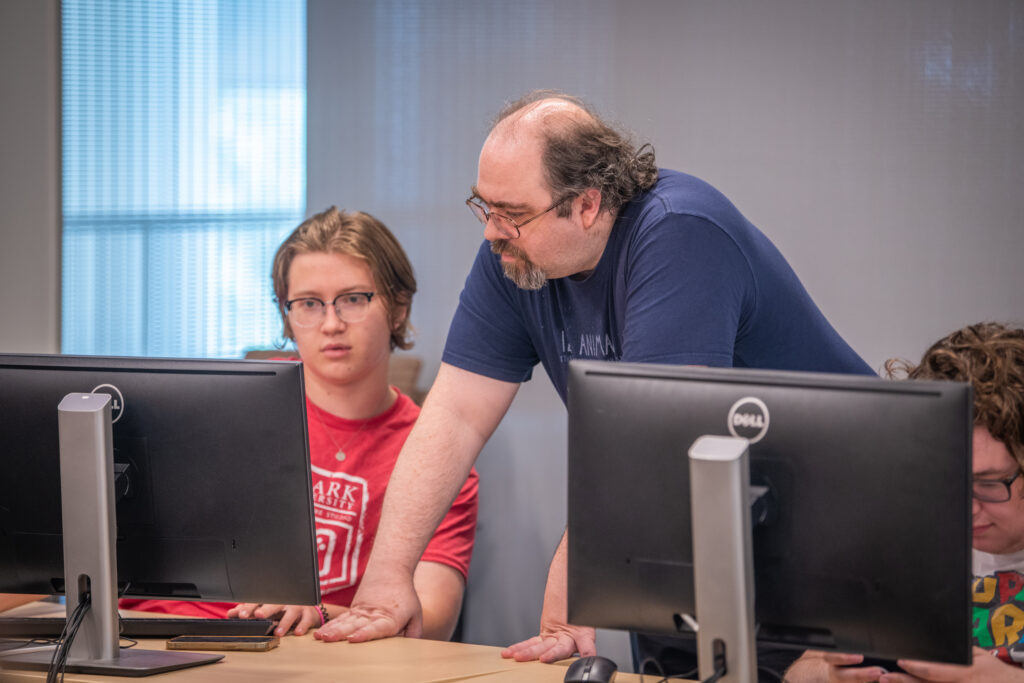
x=861, y=516
x=208, y=463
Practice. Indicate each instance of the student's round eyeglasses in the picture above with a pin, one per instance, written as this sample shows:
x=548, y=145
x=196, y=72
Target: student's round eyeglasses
x=309, y=311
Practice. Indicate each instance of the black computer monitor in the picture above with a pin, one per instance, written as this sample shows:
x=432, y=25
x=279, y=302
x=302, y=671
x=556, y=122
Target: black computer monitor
x=866, y=545
x=214, y=499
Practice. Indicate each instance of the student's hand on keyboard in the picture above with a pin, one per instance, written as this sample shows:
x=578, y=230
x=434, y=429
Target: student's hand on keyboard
x=298, y=619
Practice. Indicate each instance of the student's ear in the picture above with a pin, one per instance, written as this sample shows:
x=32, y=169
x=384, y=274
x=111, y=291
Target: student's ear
x=589, y=203
x=399, y=316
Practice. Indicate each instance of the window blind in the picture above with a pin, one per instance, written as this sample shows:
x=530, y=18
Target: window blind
x=183, y=168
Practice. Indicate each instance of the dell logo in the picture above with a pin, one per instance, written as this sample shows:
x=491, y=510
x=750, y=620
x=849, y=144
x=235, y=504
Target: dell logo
x=748, y=419
x=116, y=400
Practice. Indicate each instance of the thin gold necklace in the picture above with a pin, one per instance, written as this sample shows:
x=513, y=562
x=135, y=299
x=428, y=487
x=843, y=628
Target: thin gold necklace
x=339, y=455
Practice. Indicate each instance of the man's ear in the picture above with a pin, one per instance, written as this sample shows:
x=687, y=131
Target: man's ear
x=589, y=203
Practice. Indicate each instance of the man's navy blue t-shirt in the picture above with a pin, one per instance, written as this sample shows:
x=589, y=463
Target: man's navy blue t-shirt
x=685, y=279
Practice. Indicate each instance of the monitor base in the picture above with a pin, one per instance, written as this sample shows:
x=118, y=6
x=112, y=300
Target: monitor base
x=133, y=663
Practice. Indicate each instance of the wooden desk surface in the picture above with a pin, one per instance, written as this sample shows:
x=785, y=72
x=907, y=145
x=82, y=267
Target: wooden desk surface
x=397, y=660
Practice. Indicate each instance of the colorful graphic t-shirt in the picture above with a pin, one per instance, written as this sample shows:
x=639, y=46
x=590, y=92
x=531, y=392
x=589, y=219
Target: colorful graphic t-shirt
x=998, y=605
x=352, y=461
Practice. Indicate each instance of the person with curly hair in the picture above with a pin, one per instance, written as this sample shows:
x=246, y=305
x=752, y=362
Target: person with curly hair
x=590, y=251
x=991, y=357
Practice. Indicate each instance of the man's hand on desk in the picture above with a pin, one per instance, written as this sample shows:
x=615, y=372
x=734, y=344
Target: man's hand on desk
x=558, y=638
x=298, y=619
x=554, y=644
x=382, y=607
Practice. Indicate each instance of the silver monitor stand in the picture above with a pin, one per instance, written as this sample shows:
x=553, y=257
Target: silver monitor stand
x=723, y=558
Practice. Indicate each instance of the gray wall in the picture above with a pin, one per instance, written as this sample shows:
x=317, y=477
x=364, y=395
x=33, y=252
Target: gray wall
x=29, y=177
x=880, y=145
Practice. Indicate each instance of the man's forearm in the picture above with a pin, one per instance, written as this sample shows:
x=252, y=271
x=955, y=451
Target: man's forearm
x=425, y=481
x=460, y=414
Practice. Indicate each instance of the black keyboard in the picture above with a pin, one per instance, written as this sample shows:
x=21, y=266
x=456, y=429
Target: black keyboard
x=141, y=627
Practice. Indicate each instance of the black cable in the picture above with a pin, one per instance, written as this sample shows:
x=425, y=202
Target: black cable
x=56, y=656
x=34, y=642
x=661, y=672
x=657, y=665
x=58, y=661
x=715, y=676
x=718, y=650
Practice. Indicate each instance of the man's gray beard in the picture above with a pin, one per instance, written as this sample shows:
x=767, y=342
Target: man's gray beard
x=523, y=273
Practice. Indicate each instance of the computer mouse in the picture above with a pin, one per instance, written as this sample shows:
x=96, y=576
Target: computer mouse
x=591, y=669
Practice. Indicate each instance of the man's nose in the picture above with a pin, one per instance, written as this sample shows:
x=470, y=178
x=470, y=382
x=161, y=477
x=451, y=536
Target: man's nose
x=491, y=231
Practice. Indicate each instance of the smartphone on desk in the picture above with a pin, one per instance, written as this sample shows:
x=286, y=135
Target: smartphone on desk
x=245, y=643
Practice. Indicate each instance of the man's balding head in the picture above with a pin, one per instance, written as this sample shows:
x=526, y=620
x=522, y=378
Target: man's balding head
x=579, y=151
x=539, y=111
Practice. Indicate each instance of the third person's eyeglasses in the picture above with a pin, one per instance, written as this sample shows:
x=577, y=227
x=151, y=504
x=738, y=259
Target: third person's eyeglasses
x=993, y=490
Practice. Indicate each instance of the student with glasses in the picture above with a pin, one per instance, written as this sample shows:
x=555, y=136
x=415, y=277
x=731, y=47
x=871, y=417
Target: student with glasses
x=590, y=251
x=344, y=288
x=991, y=357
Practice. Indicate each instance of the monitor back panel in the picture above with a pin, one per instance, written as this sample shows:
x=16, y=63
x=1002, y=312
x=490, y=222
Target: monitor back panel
x=219, y=504
x=869, y=535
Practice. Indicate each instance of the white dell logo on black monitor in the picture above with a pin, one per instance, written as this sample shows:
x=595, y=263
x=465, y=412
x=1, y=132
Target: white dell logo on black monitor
x=748, y=419
x=116, y=403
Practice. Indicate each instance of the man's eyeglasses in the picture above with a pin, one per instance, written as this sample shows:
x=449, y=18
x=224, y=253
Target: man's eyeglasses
x=508, y=228
x=993, y=490
x=309, y=311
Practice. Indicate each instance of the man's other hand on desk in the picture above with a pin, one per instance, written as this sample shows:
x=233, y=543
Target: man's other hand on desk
x=557, y=640
x=382, y=607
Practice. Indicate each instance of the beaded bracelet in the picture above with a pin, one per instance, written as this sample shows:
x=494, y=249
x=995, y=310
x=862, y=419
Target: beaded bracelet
x=324, y=617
